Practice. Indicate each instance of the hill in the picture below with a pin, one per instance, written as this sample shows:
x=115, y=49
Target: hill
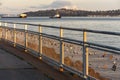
x=71, y=12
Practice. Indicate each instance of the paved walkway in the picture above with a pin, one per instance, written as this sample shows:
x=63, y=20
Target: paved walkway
x=14, y=68
x=18, y=68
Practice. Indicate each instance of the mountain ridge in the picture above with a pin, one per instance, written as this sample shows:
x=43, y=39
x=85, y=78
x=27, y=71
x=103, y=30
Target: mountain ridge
x=72, y=12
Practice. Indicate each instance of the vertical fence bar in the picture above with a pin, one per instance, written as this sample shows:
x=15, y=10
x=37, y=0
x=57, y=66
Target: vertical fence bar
x=0, y=24
x=6, y=31
x=61, y=49
x=40, y=42
x=85, y=55
x=14, y=36
x=26, y=36
x=1, y=30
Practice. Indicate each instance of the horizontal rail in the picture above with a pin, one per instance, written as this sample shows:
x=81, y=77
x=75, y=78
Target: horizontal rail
x=103, y=49
x=66, y=28
x=103, y=32
x=20, y=23
x=103, y=46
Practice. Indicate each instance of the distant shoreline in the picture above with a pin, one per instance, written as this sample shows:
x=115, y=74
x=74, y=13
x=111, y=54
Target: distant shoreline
x=72, y=12
x=80, y=16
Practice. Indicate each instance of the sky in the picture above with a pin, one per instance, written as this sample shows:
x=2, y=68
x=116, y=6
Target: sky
x=20, y=6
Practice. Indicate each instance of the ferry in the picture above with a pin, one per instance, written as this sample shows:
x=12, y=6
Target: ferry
x=23, y=15
x=13, y=16
x=56, y=16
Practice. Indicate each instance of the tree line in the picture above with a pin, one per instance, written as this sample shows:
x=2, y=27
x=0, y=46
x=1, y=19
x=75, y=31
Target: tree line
x=72, y=12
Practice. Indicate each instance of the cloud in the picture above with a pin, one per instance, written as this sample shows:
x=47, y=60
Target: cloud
x=55, y=5
x=59, y=4
x=0, y=3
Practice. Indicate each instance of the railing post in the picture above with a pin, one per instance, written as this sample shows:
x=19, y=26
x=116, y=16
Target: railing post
x=0, y=24
x=85, y=55
x=40, y=42
x=26, y=36
x=61, y=50
x=1, y=30
x=6, y=31
x=14, y=36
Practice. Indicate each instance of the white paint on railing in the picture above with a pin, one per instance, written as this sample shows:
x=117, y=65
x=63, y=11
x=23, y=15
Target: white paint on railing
x=26, y=37
x=14, y=39
x=61, y=49
x=6, y=25
x=1, y=30
x=40, y=41
x=85, y=55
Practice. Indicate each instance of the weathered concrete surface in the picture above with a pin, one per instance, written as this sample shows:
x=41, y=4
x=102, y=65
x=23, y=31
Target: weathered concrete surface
x=13, y=68
x=42, y=67
x=8, y=61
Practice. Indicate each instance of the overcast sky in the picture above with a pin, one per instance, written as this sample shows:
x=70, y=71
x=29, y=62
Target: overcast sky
x=19, y=6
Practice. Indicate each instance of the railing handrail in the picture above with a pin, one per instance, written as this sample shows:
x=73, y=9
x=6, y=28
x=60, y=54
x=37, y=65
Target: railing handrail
x=73, y=29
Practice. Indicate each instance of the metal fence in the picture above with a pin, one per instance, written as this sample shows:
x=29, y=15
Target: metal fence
x=14, y=35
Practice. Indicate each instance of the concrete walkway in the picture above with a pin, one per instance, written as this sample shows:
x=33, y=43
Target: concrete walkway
x=17, y=68
x=14, y=68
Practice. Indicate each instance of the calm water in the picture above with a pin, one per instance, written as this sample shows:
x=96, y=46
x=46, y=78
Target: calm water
x=104, y=24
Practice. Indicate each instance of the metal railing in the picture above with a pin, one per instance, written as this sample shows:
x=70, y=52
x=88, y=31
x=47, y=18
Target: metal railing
x=86, y=44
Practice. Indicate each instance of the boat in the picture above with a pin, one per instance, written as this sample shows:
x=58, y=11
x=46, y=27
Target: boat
x=23, y=15
x=56, y=16
x=15, y=16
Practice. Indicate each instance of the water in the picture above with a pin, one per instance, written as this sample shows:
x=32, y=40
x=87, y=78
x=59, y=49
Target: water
x=107, y=24
x=99, y=23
